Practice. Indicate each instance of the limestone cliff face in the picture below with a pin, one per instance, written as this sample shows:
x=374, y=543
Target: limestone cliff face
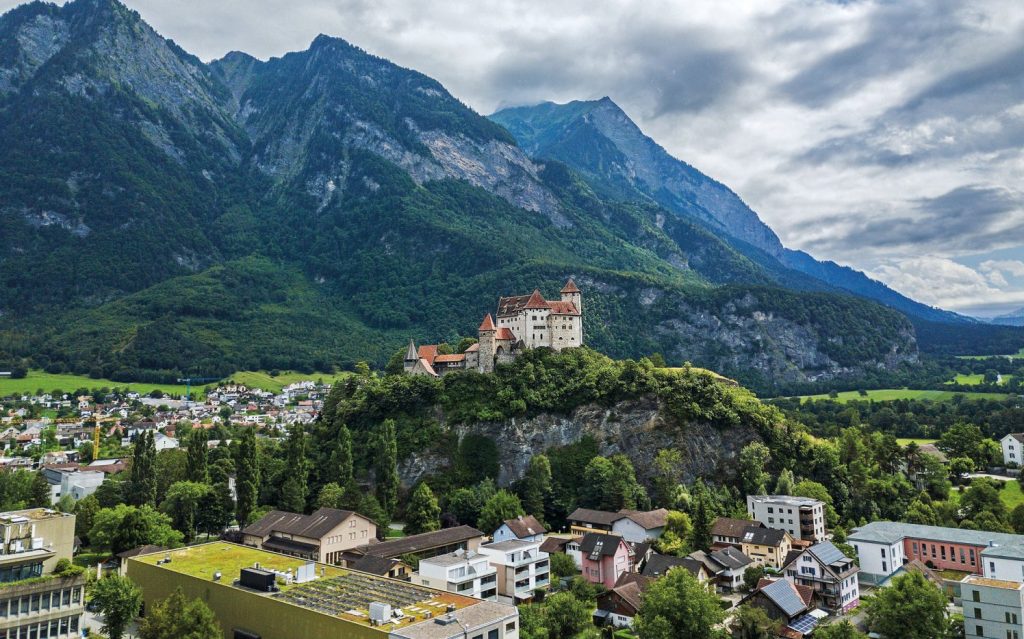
x=638, y=429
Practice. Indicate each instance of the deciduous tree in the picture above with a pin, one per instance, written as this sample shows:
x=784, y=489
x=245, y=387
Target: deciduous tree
x=676, y=605
x=423, y=513
x=179, y=617
x=119, y=600
x=912, y=608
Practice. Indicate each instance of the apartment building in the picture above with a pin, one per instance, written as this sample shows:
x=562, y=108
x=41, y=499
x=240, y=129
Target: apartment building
x=993, y=608
x=802, y=517
x=829, y=573
x=34, y=601
x=522, y=567
x=464, y=572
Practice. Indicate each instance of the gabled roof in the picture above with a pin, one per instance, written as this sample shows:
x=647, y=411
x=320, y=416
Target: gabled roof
x=588, y=516
x=1018, y=436
x=646, y=519
x=312, y=526
x=559, y=307
x=570, y=287
x=734, y=528
x=474, y=348
x=731, y=558
x=763, y=536
x=536, y=300
x=786, y=595
x=420, y=542
x=505, y=333
x=658, y=564
x=375, y=565
x=554, y=544
x=630, y=587
x=595, y=545
x=428, y=352
x=445, y=359
x=487, y=324
x=525, y=526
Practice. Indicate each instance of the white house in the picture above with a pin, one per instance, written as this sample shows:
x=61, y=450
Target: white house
x=163, y=442
x=463, y=572
x=523, y=528
x=81, y=484
x=639, y=526
x=522, y=567
x=830, y=573
x=1013, y=448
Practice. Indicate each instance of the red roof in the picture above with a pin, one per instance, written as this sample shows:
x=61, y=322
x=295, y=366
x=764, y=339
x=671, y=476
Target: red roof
x=474, y=348
x=487, y=324
x=443, y=359
x=428, y=352
x=563, y=308
x=570, y=287
x=536, y=300
x=505, y=333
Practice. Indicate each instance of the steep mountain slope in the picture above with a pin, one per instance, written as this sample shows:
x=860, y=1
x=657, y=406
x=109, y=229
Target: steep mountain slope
x=598, y=139
x=1015, y=318
x=160, y=215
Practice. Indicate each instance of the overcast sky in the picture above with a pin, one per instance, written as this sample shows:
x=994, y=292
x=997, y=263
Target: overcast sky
x=884, y=135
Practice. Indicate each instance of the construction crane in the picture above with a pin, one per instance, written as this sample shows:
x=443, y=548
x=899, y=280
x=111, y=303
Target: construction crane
x=188, y=381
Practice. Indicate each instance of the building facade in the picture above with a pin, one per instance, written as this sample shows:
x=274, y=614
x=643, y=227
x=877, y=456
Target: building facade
x=802, y=517
x=829, y=573
x=766, y=546
x=522, y=567
x=524, y=528
x=604, y=558
x=465, y=573
x=993, y=608
x=35, y=602
x=323, y=536
x=1013, y=449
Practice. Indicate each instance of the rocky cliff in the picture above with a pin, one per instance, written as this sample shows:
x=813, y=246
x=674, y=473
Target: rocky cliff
x=637, y=428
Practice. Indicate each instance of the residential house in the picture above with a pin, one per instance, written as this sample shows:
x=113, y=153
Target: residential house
x=659, y=565
x=829, y=572
x=466, y=573
x=725, y=567
x=322, y=536
x=802, y=517
x=618, y=606
x=383, y=567
x=884, y=546
x=766, y=547
x=782, y=600
x=523, y=528
x=1013, y=449
x=584, y=520
x=993, y=608
x=634, y=525
x=727, y=531
x=604, y=557
x=522, y=567
x=163, y=442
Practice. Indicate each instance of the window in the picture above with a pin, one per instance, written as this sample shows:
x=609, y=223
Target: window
x=975, y=595
x=992, y=568
x=883, y=553
x=510, y=626
x=977, y=613
x=978, y=630
x=492, y=634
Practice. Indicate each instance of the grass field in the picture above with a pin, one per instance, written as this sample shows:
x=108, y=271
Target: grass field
x=1018, y=355
x=889, y=394
x=37, y=379
x=977, y=378
x=263, y=380
x=1011, y=494
x=904, y=441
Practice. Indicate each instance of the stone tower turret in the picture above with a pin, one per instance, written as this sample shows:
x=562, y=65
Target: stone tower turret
x=487, y=335
x=572, y=294
x=411, y=356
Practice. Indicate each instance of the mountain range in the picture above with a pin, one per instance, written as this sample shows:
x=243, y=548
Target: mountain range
x=160, y=215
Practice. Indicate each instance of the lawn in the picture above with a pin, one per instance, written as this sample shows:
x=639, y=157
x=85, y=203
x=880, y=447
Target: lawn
x=905, y=441
x=1011, y=494
x=1018, y=355
x=976, y=378
x=263, y=379
x=38, y=379
x=889, y=394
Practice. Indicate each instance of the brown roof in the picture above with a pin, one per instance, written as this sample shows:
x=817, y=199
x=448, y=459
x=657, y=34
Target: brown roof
x=588, y=516
x=506, y=334
x=933, y=450
x=444, y=359
x=729, y=527
x=474, y=348
x=312, y=526
x=631, y=586
x=428, y=352
x=525, y=526
x=421, y=542
x=554, y=544
x=487, y=324
x=646, y=519
x=570, y=287
x=563, y=308
x=374, y=565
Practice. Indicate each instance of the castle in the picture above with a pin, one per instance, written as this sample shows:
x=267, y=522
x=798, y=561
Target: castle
x=524, y=321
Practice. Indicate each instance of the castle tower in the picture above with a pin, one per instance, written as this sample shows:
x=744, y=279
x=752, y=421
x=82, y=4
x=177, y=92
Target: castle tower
x=411, y=357
x=572, y=294
x=487, y=335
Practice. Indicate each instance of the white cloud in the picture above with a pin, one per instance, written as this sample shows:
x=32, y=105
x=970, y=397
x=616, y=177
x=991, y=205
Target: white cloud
x=940, y=281
x=1012, y=267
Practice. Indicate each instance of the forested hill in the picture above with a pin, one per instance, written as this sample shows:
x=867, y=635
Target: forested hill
x=161, y=216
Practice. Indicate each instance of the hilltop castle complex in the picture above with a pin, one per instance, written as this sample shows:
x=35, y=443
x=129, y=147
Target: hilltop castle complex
x=523, y=321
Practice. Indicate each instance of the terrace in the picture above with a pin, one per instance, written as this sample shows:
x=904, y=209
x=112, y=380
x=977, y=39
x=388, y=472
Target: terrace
x=336, y=592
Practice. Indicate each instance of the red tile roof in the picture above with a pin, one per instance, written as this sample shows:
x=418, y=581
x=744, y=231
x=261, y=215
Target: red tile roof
x=505, y=333
x=536, y=300
x=428, y=352
x=570, y=287
x=487, y=324
x=474, y=348
x=444, y=359
x=563, y=308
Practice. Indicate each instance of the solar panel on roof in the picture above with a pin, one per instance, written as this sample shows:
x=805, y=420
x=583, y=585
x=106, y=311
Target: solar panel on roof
x=785, y=596
x=804, y=624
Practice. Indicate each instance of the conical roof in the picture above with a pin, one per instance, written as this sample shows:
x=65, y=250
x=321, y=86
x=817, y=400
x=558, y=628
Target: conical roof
x=570, y=287
x=487, y=324
x=410, y=353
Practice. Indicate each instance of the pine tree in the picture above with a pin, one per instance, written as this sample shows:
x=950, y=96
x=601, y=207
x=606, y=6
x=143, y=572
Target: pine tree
x=423, y=512
x=141, y=488
x=701, y=517
x=296, y=484
x=40, y=497
x=197, y=456
x=537, y=486
x=247, y=477
x=386, y=467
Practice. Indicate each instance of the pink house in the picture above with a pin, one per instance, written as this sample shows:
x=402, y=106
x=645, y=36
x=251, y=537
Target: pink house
x=604, y=558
